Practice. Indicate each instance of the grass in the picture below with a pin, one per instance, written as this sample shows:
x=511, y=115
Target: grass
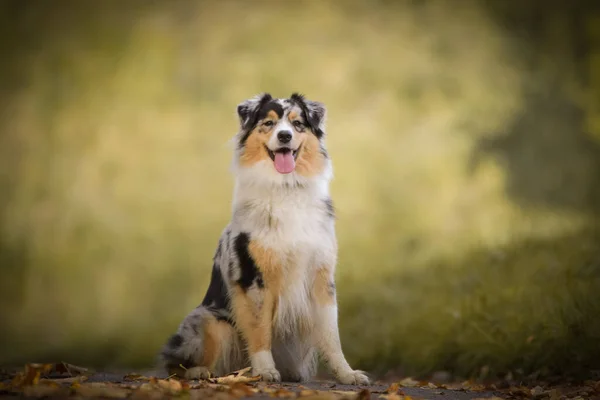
x=115, y=185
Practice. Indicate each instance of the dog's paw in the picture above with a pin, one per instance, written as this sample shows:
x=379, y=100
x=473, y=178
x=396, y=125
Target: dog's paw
x=197, y=373
x=268, y=374
x=353, y=378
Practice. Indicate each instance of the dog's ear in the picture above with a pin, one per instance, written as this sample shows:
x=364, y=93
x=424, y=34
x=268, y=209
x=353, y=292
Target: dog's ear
x=248, y=110
x=315, y=113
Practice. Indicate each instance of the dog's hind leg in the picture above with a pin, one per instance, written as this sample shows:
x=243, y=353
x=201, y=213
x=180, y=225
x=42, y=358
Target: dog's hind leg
x=203, y=346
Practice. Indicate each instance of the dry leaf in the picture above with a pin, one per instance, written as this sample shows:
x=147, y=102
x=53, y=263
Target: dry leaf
x=32, y=374
x=391, y=396
x=408, y=382
x=235, y=377
x=70, y=369
x=172, y=386
x=73, y=379
x=488, y=398
x=39, y=391
x=241, y=390
x=347, y=394
x=520, y=391
x=136, y=377
x=307, y=392
x=321, y=395
x=282, y=393
x=393, y=388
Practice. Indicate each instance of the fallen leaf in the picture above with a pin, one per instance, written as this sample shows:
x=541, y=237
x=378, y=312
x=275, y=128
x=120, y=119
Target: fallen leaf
x=32, y=374
x=136, y=377
x=73, y=379
x=364, y=394
x=307, y=392
x=242, y=390
x=172, y=386
x=43, y=390
x=283, y=393
x=349, y=394
x=70, y=369
x=488, y=398
x=519, y=391
x=408, y=382
x=391, y=396
x=236, y=376
x=393, y=388
x=321, y=395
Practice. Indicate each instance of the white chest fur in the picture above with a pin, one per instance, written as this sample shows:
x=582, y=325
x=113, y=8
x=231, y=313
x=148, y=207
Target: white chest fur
x=295, y=224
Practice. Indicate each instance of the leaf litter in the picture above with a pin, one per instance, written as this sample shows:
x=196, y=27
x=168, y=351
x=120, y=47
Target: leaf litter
x=62, y=380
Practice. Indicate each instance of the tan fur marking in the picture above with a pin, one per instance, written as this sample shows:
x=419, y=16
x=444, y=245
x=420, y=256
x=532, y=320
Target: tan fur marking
x=310, y=161
x=254, y=149
x=269, y=264
x=273, y=115
x=254, y=321
x=214, y=334
x=292, y=115
x=324, y=288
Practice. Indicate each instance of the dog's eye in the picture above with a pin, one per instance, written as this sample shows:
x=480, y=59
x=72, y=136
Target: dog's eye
x=297, y=124
x=268, y=123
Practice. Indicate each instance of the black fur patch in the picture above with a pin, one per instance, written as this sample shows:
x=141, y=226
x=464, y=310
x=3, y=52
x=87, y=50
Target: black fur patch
x=175, y=341
x=270, y=106
x=329, y=207
x=248, y=270
x=216, y=300
x=175, y=362
x=251, y=115
x=312, y=118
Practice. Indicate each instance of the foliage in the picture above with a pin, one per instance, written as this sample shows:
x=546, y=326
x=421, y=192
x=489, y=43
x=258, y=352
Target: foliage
x=466, y=164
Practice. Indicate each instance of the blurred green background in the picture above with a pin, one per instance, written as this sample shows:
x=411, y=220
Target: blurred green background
x=465, y=137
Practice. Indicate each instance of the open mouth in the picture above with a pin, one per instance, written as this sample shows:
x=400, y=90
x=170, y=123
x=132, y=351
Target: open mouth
x=284, y=159
x=284, y=151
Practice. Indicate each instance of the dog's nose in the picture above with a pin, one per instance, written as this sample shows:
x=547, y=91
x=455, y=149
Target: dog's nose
x=284, y=136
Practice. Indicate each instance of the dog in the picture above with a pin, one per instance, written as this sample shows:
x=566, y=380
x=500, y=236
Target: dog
x=271, y=300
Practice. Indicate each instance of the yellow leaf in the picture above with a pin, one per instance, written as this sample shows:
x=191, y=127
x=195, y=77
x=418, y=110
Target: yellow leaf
x=408, y=382
x=307, y=392
x=393, y=388
x=40, y=391
x=235, y=377
x=391, y=396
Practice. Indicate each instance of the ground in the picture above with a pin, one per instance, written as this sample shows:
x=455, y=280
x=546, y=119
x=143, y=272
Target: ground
x=62, y=380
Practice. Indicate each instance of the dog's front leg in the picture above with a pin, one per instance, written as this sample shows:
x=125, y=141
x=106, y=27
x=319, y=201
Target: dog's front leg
x=327, y=333
x=253, y=310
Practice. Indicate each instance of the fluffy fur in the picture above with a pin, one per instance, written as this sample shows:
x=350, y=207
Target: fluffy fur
x=271, y=301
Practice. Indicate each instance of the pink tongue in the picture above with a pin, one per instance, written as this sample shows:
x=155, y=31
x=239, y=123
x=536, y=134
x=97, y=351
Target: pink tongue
x=284, y=162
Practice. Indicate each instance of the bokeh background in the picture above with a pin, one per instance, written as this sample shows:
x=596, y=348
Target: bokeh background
x=466, y=144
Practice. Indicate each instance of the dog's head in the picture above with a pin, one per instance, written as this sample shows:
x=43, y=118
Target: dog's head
x=281, y=140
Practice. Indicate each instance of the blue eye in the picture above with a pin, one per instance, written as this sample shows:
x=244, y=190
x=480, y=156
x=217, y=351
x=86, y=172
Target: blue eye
x=297, y=124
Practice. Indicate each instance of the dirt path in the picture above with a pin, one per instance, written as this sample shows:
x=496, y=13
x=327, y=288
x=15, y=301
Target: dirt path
x=54, y=381
x=375, y=391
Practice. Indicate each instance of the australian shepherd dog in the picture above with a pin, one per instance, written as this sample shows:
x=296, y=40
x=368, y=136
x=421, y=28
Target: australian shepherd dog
x=271, y=302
